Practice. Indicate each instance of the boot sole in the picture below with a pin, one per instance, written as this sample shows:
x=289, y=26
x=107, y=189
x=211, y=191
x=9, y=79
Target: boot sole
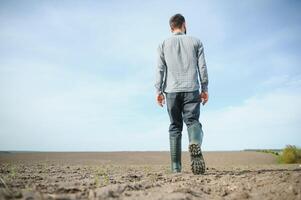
x=197, y=160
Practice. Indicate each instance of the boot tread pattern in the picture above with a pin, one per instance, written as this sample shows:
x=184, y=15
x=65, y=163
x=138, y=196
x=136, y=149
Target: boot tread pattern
x=197, y=160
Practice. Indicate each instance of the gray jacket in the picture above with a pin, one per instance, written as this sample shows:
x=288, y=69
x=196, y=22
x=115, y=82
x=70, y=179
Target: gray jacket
x=181, y=61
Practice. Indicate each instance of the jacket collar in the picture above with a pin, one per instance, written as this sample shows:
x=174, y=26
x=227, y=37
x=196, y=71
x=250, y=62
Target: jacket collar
x=178, y=33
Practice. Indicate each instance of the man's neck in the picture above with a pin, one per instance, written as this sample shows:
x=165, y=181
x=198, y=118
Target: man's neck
x=178, y=30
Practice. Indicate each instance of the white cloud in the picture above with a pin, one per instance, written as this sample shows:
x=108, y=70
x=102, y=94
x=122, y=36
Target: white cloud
x=269, y=120
x=50, y=107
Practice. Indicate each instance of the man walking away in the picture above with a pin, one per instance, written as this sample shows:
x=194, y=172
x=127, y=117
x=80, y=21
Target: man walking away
x=180, y=62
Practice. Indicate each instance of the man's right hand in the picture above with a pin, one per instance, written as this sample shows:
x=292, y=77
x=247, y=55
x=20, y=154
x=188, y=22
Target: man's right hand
x=160, y=99
x=204, y=96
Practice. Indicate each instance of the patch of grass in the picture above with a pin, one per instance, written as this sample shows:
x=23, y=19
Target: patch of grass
x=12, y=172
x=153, y=178
x=106, y=179
x=269, y=151
x=147, y=169
x=96, y=181
x=103, y=174
x=290, y=154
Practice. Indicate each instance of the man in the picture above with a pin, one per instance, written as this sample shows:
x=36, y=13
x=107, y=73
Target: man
x=180, y=62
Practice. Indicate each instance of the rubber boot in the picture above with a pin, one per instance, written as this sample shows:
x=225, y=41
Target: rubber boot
x=195, y=135
x=175, y=153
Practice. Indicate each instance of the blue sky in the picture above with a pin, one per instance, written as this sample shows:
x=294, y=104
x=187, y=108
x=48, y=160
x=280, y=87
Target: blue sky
x=79, y=75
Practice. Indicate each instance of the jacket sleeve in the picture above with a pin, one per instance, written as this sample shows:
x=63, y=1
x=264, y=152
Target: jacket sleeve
x=202, y=67
x=160, y=70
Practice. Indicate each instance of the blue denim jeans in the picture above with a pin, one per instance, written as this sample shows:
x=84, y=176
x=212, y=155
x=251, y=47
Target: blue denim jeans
x=182, y=106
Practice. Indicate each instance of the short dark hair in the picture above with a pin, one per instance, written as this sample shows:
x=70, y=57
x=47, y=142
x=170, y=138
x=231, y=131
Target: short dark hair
x=176, y=21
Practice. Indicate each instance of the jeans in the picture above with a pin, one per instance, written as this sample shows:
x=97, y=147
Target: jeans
x=182, y=106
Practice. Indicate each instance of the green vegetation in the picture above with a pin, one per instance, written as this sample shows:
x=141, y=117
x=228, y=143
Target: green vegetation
x=290, y=154
x=102, y=173
x=12, y=172
x=276, y=153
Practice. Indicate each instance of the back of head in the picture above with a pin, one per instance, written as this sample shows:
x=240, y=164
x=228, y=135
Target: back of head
x=176, y=22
